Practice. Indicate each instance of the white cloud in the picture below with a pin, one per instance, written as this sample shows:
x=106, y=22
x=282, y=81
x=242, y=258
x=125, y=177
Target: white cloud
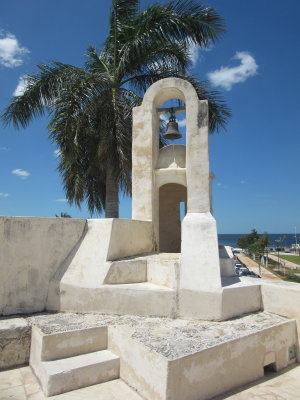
x=62, y=200
x=20, y=89
x=57, y=153
x=195, y=52
x=182, y=123
x=11, y=53
x=4, y=148
x=226, y=77
x=21, y=173
x=164, y=117
x=4, y=195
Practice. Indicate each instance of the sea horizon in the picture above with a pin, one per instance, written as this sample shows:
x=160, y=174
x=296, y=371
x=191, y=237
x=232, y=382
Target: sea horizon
x=281, y=239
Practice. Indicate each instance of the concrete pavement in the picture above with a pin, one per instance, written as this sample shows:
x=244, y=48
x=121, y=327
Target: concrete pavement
x=253, y=266
x=21, y=384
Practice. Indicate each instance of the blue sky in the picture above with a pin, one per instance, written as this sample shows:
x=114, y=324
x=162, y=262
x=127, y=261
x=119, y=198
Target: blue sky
x=255, y=65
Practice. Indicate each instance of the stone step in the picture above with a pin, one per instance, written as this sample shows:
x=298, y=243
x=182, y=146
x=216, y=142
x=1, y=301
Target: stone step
x=127, y=271
x=59, y=345
x=144, y=299
x=60, y=376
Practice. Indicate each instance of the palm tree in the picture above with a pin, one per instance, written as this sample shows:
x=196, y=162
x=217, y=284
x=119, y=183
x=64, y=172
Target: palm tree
x=91, y=107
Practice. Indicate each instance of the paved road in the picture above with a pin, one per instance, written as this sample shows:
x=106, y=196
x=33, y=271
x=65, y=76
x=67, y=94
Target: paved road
x=253, y=266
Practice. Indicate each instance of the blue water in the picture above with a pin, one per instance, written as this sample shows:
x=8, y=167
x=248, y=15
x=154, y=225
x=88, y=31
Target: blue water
x=287, y=239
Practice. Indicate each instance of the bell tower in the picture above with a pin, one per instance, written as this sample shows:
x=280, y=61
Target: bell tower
x=162, y=177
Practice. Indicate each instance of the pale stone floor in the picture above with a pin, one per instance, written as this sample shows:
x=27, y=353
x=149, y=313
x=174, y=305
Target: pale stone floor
x=21, y=384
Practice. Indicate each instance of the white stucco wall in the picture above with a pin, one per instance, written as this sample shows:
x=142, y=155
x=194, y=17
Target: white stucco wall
x=226, y=261
x=172, y=156
x=31, y=251
x=283, y=298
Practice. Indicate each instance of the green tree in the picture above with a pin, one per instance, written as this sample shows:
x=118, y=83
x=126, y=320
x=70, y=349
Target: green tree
x=259, y=245
x=63, y=215
x=91, y=107
x=246, y=241
x=254, y=243
x=257, y=248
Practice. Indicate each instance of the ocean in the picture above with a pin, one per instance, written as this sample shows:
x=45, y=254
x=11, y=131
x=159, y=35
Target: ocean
x=286, y=239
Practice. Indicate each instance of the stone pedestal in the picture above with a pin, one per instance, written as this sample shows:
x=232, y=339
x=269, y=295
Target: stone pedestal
x=200, y=267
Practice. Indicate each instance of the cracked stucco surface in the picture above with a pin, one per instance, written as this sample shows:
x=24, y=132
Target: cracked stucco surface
x=171, y=338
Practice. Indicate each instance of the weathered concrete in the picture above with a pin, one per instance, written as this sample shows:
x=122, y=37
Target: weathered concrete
x=21, y=384
x=172, y=156
x=226, y=261
x=282, y=298
x=72, y=343
x=283, y=385
x=32, y=250
x=15, y=335
x=155, y=175
x=200, y=265
x=163, y=269
x=153, y=168
x=127, y=271
x=172, y=358
x=69, y=374
x=105, y=241
x=70, y=360
x=144, y=299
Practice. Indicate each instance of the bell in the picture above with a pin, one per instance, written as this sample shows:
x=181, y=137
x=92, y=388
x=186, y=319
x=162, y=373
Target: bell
x=172, y=132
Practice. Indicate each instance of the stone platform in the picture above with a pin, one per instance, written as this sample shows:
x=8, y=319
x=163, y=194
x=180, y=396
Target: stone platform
x=164, y=358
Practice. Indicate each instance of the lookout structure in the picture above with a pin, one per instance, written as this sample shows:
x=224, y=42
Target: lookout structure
x=161, y=178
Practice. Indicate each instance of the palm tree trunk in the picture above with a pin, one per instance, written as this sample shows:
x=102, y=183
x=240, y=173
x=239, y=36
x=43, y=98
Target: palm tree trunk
x=112, y=196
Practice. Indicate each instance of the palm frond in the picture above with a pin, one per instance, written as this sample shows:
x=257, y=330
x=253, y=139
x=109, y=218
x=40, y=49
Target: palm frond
x=41, y=91
x=181, y=21
x=91, y=107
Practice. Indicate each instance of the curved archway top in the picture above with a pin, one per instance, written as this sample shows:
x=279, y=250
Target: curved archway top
x=167, y=89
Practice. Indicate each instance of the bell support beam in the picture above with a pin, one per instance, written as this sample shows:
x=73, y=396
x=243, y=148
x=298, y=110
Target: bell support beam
x=176, y=110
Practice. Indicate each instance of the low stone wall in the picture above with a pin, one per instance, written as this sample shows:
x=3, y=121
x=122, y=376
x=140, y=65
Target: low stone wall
x=283, y=298
x=15, y=336
x=226, y=261
x=31, y=251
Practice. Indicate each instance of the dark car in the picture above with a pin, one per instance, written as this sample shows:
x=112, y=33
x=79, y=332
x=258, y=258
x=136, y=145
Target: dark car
x=250, y=274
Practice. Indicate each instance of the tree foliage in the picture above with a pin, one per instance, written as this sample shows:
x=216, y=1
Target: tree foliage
x=63, y=215
x=254, y=242
x=91, y=107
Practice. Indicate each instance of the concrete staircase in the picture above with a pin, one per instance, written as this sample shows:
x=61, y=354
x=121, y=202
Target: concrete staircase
x=139, y=285
x=66, y=361
x=160, y=269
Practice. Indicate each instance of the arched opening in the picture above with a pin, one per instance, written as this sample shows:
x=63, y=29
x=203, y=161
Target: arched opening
x=170, y=197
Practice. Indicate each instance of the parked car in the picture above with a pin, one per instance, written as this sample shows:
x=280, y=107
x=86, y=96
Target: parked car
x=250, y=274
x=239, y=268
x=238, y=265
